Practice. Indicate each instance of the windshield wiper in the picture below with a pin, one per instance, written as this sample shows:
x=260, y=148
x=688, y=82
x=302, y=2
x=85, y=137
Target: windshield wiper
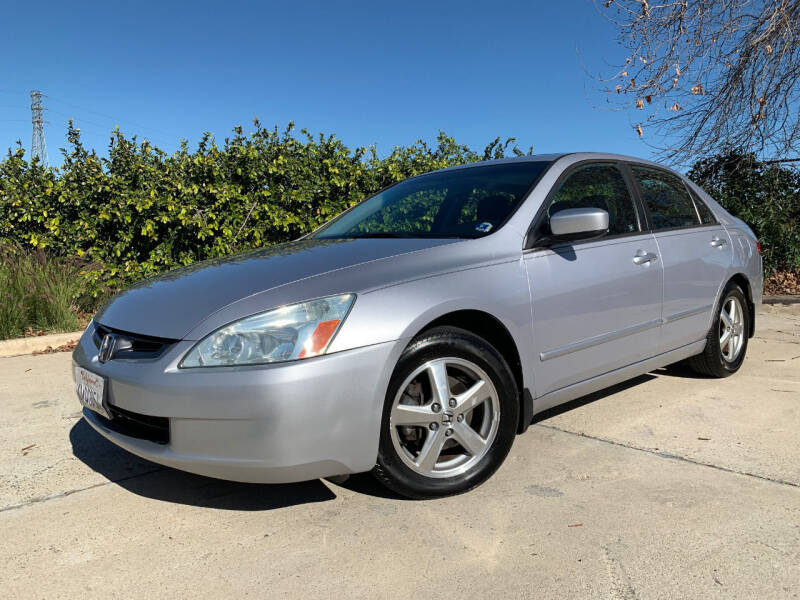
x=383, y=234
x=377, y=235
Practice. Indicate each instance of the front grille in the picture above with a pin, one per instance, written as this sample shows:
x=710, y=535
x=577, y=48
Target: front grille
x=131, y=345
x=142, y=427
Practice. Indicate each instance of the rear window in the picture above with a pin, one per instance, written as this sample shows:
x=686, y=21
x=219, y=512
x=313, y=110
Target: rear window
x=468, y=203
x=666, y=198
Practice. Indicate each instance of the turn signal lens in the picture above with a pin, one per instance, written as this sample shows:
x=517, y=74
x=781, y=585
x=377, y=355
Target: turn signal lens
x=319, y=339
x=758, y=246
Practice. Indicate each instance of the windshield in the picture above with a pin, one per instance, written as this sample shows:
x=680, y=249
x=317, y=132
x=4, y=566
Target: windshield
x=467, y=203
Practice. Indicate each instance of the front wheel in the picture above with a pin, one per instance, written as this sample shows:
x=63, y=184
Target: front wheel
x=726, y=343
x=450, y=415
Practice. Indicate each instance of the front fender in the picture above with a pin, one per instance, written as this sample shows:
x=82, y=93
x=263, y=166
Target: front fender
x=400, y=312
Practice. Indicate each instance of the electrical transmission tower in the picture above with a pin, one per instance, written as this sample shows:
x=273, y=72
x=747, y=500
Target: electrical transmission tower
x=38, y=147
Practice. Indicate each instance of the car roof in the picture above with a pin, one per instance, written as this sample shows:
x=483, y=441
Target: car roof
x=553, y=157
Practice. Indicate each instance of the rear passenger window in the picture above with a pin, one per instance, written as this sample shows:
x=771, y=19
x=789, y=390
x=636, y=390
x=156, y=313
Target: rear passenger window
x=598, y=186
x=666, y=198
x=706, y=216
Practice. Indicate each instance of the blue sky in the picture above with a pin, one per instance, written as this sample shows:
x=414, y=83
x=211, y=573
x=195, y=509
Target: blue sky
x=371, y=72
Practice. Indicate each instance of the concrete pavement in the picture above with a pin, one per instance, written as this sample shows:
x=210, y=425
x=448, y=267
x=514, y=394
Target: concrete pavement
x=669, y=486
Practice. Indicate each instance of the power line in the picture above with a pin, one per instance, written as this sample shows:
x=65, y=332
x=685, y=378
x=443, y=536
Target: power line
x=77, y=119
x=107, y=116
x=81, y=122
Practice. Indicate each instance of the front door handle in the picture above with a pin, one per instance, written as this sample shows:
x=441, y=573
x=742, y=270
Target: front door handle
x=642, y=258
x=717, y=242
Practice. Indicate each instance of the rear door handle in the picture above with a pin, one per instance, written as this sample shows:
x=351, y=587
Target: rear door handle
x=642, y=258
x=717, y=242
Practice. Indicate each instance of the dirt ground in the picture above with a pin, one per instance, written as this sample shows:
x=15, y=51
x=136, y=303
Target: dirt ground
x=668, y=486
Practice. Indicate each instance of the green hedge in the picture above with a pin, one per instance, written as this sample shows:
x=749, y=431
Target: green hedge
x=141, y=211
x=764, y=195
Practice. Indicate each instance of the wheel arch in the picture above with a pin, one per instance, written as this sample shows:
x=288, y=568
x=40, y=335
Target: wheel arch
x=743, y=282
x=491, y=329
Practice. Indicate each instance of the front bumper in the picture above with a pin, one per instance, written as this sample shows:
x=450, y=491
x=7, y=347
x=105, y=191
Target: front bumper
x=267, y=424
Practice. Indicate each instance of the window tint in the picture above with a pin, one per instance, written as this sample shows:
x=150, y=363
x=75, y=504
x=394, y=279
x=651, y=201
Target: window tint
x=470, y=203
x=666, y=198
x=598, y=186
x=706, y=216
x=411, y=214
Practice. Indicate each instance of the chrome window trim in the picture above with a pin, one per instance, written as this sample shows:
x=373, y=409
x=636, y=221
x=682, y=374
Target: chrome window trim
x=606, y=240
x=688, y=228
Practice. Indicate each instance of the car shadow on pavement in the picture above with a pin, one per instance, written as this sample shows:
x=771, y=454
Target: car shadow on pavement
x=682, y=371
x=150, y=480
x=365, y=483
x=593, y=397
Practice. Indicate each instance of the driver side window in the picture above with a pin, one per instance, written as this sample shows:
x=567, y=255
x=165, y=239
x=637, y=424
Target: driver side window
x=598, y=186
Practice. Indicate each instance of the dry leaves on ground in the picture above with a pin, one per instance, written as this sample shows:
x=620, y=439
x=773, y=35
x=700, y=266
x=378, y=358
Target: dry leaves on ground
x=782, y=284
x=63, y=348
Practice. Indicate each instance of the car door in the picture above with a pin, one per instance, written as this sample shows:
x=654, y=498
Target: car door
x=695, y=253
x=596, y=304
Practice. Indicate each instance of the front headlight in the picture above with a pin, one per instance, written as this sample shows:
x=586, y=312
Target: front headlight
x=286, y=333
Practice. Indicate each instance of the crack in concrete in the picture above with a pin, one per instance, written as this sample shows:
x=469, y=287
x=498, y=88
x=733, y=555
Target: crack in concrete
x=41, y=499
x=669, y=455
x=621, y=586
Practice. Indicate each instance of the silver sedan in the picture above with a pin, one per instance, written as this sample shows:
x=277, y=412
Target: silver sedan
x=416, y=334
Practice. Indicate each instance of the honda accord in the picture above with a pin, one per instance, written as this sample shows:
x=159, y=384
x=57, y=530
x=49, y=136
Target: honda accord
x=416, y=334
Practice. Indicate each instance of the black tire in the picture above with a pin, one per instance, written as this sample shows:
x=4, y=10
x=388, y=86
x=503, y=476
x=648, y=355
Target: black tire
x=441, y=343
x=712, y=362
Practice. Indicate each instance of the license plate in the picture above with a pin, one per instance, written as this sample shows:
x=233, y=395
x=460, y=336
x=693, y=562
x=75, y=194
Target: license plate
x=91, y=388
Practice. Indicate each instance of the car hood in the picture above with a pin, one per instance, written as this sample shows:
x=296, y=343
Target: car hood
x=170, y=305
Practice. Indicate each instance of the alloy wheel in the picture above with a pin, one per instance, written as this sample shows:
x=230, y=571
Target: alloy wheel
x=731, y=329
x=444, y=417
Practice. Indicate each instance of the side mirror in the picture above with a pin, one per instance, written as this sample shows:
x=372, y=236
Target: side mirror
x=578, y=223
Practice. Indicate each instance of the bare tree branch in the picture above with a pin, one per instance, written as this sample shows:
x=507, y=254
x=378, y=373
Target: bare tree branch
x=713, y=75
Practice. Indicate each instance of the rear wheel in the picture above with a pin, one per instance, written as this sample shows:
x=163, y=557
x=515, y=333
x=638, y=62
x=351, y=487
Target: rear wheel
x=726, y=343
x=450, y=415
